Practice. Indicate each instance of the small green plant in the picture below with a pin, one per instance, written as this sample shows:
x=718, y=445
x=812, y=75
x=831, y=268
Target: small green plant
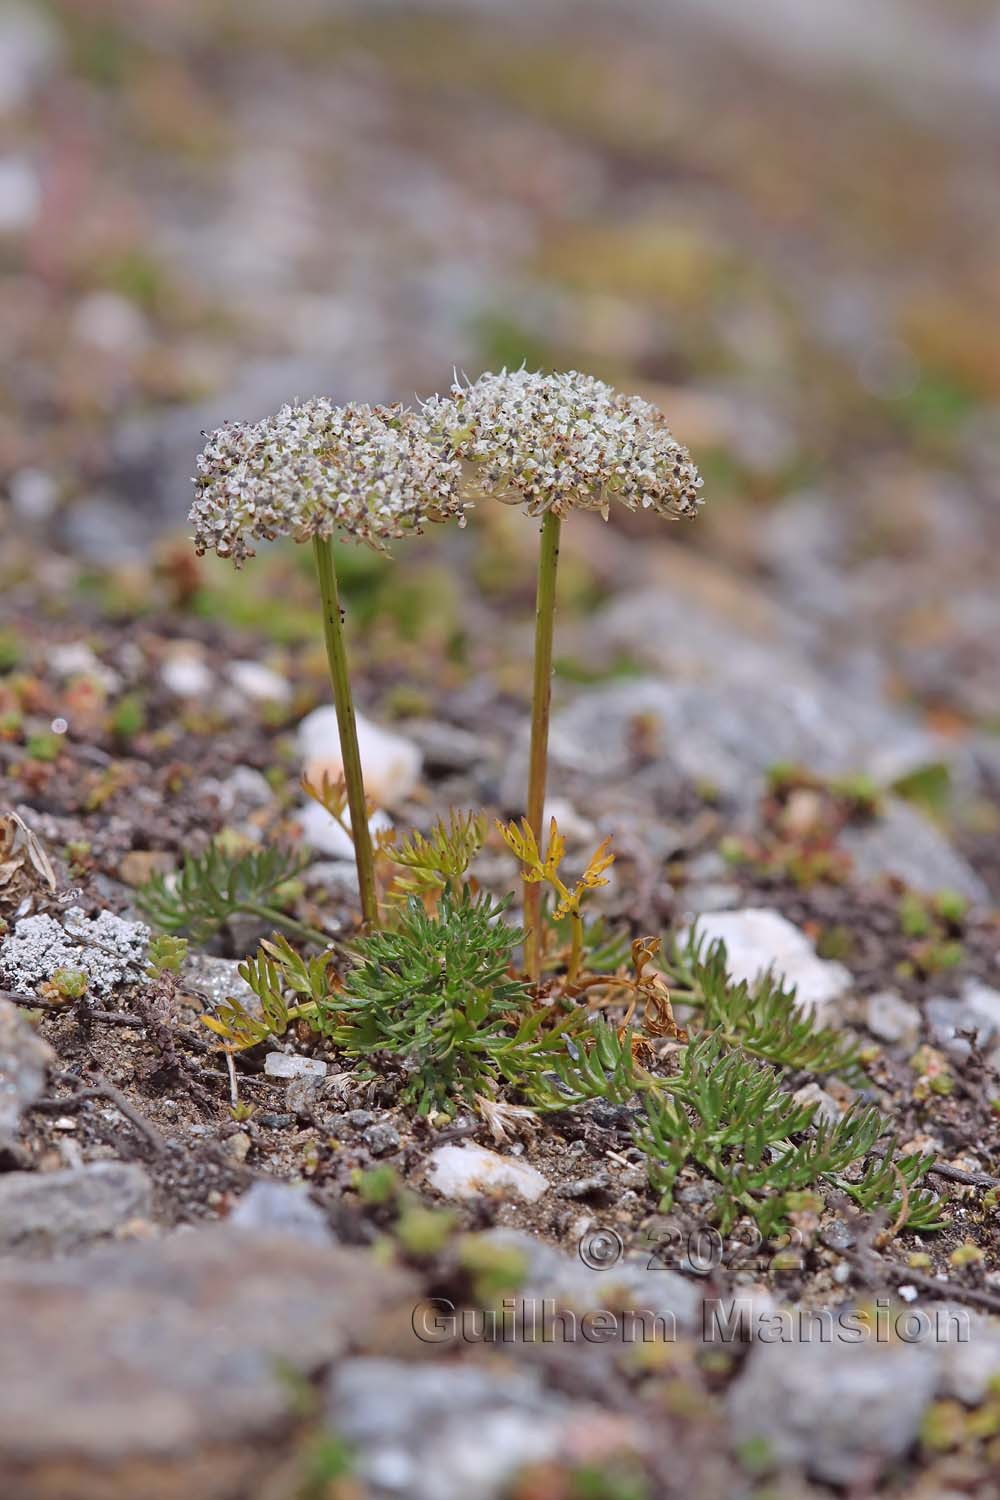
x=494, y=1269
x=67, y=984
x=212, y=887
x=128, y=717
x=935, y=925
x=44, y=746
x=423, y=1232
x=728, y=1115
x=311, y=472
x=436, y=862
x=597, y=1064
x=276, y=970
x=439, y=992
x=555, y=443
x=11, y=650
x=378, y=1186
x=165, y=955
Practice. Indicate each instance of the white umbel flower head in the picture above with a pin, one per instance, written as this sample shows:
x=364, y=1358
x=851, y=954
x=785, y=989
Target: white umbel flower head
x=556, y=442
x=370, y=473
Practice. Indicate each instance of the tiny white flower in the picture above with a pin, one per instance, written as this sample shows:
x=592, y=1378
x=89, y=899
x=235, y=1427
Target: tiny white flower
x=370, y=473
x=555, y=442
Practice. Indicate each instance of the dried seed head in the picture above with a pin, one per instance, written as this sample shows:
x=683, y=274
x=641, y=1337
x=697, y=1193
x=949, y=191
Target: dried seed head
x=552, y=442
x=372, y=473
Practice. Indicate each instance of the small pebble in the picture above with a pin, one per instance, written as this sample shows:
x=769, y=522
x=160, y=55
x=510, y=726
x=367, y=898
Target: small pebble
x=238, y=1145
x=291, y=1065
x=185, y=674
x=258, y=683
x=891, y=1018
x=473, y=1172
x=281, y=1207
x=381, y=1139
x=584, y=1186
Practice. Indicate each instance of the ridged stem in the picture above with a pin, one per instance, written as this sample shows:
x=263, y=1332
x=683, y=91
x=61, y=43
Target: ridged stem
x=347, y=725
x=545, y=613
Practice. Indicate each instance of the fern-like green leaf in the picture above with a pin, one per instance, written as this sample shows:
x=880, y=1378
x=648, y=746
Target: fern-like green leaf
x=212, y=887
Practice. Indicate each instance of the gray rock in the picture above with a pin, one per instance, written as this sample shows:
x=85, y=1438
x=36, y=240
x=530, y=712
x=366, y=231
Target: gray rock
x=185, y=673
x=712, y=895
x=242, y=792
x=758, y=939
x=903, y=843
x=967, y=1348
x=627, y=1282
x=303, y=1095
x=50, y=1213
x=381, y=1138
x=443, y=1432
x=891, y=1018
x=258, y=683
x=291, y=1065
x=984, y=1000
x=97, y=527
x=281, y=1208
x=977, y=1011
x=838, y=1235
x=24, y=1058
x=828, y=1111
x=742, y=694
x=841, y=1410
x=30, y=45
x=108, y=949
x=585, y=1187
x=339, y=875
x=445, y=747
x=169, y=1368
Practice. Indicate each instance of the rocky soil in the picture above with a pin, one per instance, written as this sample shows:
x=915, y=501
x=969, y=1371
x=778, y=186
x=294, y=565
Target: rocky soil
x=785, y=716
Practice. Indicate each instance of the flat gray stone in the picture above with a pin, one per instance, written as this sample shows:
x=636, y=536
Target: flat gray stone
x=903, y=843
x=967, y=1347
x=24, y=1058
x=738, y=691
x=291, y=1065
x=281, y=1208
x=173, y=1369
x=443, y=1432
x=50, y=1213
x=632, y=1282
x=841, y=1410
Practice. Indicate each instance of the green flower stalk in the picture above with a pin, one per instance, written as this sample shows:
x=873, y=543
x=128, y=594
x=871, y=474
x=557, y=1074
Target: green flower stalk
x=555, y=443
x=312, y=472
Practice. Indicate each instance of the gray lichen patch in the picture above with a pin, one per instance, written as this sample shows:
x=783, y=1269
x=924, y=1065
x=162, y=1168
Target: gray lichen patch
x=109, y=950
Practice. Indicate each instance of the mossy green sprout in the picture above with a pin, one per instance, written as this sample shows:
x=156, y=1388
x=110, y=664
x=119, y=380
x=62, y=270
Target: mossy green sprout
x=556, y=443
x=312, y=472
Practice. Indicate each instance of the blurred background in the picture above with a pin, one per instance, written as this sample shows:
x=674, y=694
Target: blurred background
x=780, y=222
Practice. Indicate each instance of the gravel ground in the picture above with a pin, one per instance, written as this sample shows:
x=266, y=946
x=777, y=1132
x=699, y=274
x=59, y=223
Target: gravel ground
x=784, y=716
